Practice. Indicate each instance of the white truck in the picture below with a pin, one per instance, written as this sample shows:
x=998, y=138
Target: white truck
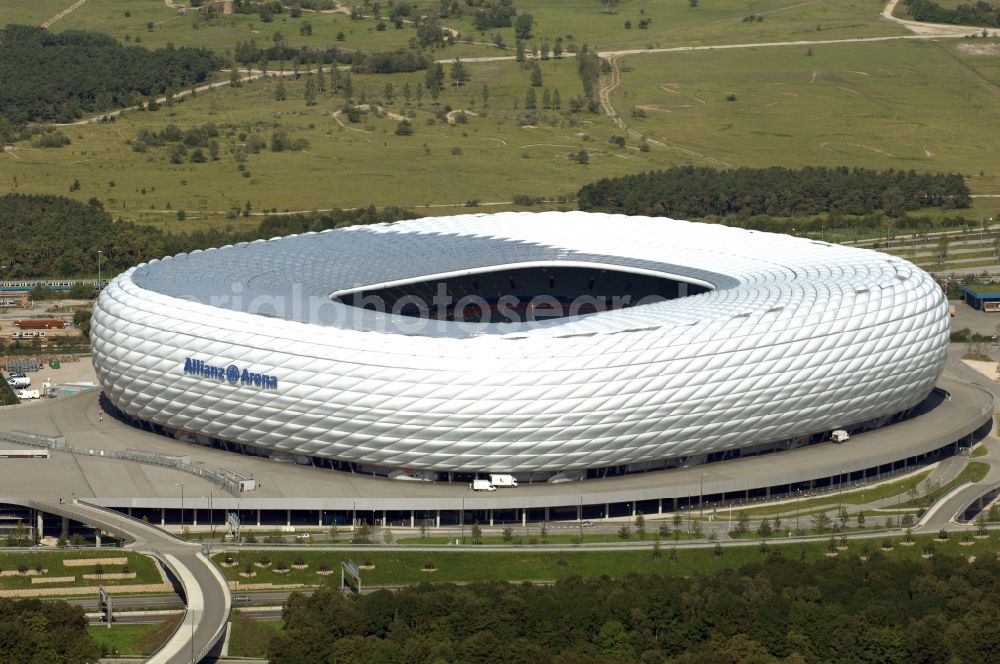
x=500, y=481
x=840, y=436
x=29, y=394
x=482, y=485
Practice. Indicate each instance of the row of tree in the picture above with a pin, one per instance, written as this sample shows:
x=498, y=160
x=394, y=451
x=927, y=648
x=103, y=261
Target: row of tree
x=836, y=610
x=977, y=13
x=689, y=191
x=59, y=77
x=53, y=236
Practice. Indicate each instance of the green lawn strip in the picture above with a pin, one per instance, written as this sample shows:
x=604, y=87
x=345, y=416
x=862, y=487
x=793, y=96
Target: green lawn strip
x=405, y=567
x=520, y=539
x=975, y=471
x=142, y=566
x=857, y=497
x=985, y=288
x=982, y=450
x=249, y=637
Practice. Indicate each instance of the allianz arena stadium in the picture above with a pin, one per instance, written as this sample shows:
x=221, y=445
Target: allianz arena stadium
x=540, y=344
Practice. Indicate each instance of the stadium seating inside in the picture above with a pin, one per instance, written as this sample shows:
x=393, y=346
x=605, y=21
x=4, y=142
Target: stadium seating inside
x=522, y=294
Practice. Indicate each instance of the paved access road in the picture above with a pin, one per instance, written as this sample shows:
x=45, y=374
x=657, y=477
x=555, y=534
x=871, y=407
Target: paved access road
x=205, y=588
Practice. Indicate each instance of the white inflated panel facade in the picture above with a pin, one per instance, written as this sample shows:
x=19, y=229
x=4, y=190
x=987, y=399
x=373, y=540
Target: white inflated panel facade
x=797, y=337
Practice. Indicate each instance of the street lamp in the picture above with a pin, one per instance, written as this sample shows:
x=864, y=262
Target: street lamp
x=701, y=497
x=99, y=253
x=181, y=485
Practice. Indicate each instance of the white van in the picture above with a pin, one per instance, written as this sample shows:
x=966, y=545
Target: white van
x=19, y=381
x=503, y=480
x=482, y=485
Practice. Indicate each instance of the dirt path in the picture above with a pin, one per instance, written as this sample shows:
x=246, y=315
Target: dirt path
x=604, y=95
x=451, y=114
x=76, y=5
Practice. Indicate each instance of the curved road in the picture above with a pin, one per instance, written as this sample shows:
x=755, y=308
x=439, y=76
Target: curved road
x=205, y=589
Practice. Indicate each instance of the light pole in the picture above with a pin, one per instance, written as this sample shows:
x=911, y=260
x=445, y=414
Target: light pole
x=701, y=497
x=99, y=287
x=181, y=485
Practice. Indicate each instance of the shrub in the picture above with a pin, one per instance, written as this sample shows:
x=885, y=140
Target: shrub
x=51, y=139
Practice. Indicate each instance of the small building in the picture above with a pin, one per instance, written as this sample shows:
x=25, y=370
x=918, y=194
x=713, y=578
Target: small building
x=985, y=297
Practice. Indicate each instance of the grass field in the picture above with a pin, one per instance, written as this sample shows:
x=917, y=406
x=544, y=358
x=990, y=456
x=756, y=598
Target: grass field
x=881, y=105
x=344, y=166
x=888, y=105
x=142, y=566
x=576, y=21
x=900, y=104
x=134, y=640
x=34, y=12
x=405, y=567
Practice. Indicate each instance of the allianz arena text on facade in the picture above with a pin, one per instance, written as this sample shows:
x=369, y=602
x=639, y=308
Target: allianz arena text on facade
x=519, y=342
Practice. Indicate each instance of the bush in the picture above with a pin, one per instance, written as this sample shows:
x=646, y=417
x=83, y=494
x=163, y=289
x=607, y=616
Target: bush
x=404, y=128
x=52, y=139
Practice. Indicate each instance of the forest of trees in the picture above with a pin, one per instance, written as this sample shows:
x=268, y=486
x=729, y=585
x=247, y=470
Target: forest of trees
x=689, y=191
x=778, y=610
x=58, y=77
x=51, y=631
x=976, y=13
x=54, y=236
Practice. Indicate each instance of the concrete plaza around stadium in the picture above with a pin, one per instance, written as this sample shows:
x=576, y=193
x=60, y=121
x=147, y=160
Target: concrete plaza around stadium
x=290, y=494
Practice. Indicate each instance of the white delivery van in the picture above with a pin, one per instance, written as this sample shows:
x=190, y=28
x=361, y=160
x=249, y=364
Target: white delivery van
x=482, y=485
x=503, y=480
